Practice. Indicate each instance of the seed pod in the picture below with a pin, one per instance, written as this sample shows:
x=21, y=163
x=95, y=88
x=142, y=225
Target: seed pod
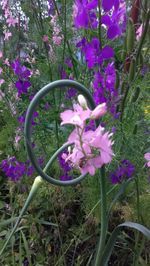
x=117, y=80
x=140, y=60
x=123, y=86
x=135, y=95
x=145, y=7
x=130, y=36
x=132, y=70
x=124, y=50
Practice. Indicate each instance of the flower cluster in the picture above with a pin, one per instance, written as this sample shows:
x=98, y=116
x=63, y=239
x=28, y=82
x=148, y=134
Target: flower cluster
x=21, y=118
x=147, y=157
x=50, y=7
x=65, y=167
x=10, y=20
x=113, y=21
x=125, y=170
x=84, y=14
x=93, y=148
x=57, y=37
x=93, y=55
x=15, y=169
x=23, y=74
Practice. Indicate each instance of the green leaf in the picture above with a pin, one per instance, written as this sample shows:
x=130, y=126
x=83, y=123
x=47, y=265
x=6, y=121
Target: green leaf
x=119, y=193
x=111, y=242
x=8, y=221
x=2, y=203
x=28, y=253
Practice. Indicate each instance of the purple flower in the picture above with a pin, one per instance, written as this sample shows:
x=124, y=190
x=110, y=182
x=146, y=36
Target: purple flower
x=66, y=168
x=108, y=4
x=71, y=93
x=125, y=170
x=117, y=21
x=65, y=177
x=68, y=62
x=84, y=14
x=13, y=168
x=21, y=71
x=113, y=130
x=22, y=86
x=64, y=165
x=51, y=7
x=93, y=54
x=23, y=74
x=21, y=118
x=104, y=87
x=90, y=126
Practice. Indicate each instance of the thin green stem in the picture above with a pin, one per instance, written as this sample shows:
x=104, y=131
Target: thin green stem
x=67, y=42
x=104, y=221
x=99, y=24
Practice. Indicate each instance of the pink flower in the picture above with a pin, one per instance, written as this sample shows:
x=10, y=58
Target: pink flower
x=6, y=62
x=7, y=35
x=147, y=157
x=139, y=32
x=1, y=95
x=45, y=38
x=1, y=70
x=57, y=40
x=11, y=21
x=1, y=81
x=94, y=151
x=76, y=117
x=1, y=54
x=99, y=111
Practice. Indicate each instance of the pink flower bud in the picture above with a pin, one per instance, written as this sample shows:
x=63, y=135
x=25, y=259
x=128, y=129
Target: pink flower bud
x=99, y=111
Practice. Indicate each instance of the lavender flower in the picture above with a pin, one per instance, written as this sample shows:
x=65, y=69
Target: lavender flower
x=65, y=167
x=125, y=170
x=23, y=73
x=21, y=118
x=84, y=14
x=15, y=169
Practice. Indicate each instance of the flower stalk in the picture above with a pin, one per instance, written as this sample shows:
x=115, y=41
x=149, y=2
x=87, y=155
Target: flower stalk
x=104, y=222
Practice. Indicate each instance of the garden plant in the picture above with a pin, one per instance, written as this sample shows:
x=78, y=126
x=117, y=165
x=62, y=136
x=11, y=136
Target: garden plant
x=74, y=136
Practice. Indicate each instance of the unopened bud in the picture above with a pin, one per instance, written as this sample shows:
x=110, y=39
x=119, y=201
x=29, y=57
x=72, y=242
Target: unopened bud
x=130, y=36
x=99, y=111
x=132, y=70
x=117, y=80
x=82, y=101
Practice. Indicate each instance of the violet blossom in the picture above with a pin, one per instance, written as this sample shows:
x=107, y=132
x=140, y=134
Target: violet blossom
x=84, y=14
x=115, y=22
x=92, y=52
x=66, y=168
x=23, y=73
x=125, y=171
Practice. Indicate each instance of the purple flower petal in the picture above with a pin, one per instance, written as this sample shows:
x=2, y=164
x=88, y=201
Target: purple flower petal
x=107, y=4
x=107, y=52
x=113, y=31
x=106, y=20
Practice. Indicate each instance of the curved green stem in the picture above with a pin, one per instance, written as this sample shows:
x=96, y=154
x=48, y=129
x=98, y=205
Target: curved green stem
x=104, y=221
